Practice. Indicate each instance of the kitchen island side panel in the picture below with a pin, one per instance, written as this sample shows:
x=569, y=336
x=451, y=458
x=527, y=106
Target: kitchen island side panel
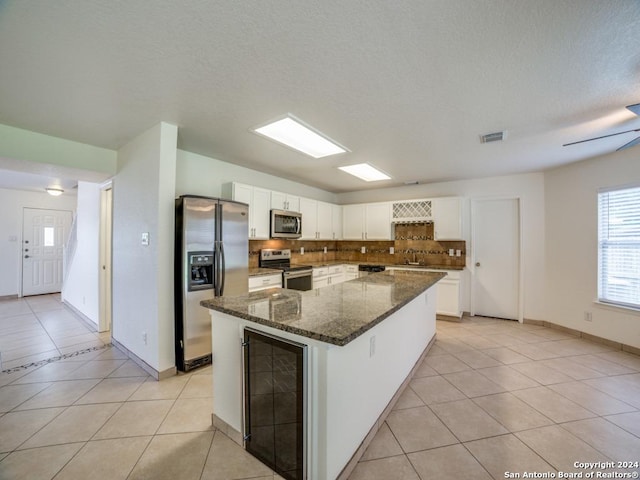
x=363, y=376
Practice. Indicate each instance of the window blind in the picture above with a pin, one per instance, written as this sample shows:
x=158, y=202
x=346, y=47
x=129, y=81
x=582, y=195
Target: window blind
x=619, y=247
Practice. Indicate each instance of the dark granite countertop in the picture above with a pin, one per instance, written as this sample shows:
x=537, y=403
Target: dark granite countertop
x=336, y=314
x=259, y=271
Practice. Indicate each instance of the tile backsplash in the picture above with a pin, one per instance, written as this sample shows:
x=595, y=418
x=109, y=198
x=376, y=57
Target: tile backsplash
x=413, y=243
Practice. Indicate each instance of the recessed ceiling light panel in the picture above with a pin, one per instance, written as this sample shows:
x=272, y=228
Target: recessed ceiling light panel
x=295, y=134
x=365, y=172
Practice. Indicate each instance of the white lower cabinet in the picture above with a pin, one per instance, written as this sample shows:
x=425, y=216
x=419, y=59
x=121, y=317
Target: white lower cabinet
x=448, y=292
x=350, y=272
x=262, y=282
x=325, y=276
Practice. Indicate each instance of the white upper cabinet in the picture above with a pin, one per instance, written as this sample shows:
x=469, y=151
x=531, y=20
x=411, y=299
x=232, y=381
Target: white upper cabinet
x=377, y=221
x=259, y=201
x=309, y=211
x=353, y=222
x=325, y=221
x=336, y=222
x=284, y=201
x=447, y=218
x=371, y=221
x=318, y=220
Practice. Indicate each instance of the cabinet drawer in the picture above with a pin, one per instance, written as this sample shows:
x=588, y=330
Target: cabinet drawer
x=336, y=270
x=264, y=281
x=351, y=269
x=320, y=272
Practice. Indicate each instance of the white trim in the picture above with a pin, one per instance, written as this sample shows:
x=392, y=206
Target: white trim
x=617, y=308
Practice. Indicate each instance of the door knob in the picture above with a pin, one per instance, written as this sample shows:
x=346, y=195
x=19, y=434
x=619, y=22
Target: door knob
x=477, y=264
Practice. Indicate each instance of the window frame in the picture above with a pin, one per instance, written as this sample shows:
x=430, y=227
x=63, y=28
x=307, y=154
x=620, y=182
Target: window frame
x=605, y=242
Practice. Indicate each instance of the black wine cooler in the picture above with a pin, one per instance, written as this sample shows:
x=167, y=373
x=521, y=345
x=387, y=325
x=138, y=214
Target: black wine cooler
x=274, y=403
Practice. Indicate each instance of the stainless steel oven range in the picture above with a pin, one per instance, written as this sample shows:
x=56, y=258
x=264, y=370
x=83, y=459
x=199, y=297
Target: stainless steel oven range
x=294, y=277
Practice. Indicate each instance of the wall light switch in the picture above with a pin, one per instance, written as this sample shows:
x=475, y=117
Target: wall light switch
x=363, y=249
x=324, y=249
x=301, y=250
x=392, y=250
x=145, y=239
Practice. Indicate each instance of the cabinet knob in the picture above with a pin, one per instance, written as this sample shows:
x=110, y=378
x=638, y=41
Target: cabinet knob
x=477, y=264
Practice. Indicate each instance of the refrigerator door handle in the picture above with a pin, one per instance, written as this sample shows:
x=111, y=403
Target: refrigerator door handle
x=216, y=266
x=222, y=268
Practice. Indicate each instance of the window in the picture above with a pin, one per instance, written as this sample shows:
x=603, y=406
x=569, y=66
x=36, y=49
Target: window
x=49, y=237
x=619, y=247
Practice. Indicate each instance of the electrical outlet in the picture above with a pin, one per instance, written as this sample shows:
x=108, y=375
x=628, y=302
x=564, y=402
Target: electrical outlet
x=588, y=317
x=301, y=250
x=458, y=253
x=144, y=239
x=451, y=252
x=372, y=346
x=144, y=337
x=363, y=249
x=324, y=249
x=392, y=250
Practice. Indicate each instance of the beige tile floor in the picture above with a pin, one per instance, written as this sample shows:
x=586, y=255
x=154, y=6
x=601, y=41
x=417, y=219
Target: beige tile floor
x=491, y=397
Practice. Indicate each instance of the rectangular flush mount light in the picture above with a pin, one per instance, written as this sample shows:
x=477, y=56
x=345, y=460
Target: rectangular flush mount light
x=295, y=134
x=365, y=172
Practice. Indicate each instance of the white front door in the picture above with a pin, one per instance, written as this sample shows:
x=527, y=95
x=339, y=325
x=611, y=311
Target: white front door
x=496, y=258
x=44, y=233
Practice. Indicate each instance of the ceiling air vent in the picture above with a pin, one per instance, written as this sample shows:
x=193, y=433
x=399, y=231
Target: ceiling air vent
x=492, y=137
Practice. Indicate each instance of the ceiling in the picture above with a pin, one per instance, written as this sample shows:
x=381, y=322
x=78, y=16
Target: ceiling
x=407, y=86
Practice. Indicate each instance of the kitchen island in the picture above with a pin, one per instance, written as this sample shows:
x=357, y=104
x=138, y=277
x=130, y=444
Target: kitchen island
x=363, y=338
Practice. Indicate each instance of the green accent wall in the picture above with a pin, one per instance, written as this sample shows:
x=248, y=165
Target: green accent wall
x=19, y=144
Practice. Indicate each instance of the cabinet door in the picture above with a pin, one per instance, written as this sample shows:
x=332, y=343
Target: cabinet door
x=259, y=213
x=353, y=222
x=447, y=218
x=336, y=221
x=448, y=298
x=378, y=218
x=320, y=282
x=293, y=203
x=325, y=223
x=279, y=200
x=244, y=193
x=308, y=208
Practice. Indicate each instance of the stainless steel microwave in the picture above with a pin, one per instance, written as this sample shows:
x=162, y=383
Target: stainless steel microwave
x=286, y=224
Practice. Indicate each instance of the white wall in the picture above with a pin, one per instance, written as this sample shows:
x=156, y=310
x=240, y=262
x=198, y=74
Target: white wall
x=200, y=175
x=572, y=243
x=81, y=285
x=143, y=201
x=13, y=202
x=529, y=188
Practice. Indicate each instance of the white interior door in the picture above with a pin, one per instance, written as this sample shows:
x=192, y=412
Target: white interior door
x=496, y=258
x=44, y=233
x=106, y=205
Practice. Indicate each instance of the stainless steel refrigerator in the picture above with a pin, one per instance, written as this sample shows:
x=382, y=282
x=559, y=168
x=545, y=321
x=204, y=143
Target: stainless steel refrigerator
x=211, y=259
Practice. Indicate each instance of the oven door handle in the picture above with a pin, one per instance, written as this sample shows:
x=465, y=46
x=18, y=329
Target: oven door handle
x=302, y=273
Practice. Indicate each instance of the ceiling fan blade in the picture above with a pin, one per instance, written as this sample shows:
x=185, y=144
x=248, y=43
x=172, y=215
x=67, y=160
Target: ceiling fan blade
x=634, y=108
x=635, y=141
x=603, y=136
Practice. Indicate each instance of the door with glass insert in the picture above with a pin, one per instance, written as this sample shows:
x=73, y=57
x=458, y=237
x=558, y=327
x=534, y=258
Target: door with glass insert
x=44, y=236
x=274, y=396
